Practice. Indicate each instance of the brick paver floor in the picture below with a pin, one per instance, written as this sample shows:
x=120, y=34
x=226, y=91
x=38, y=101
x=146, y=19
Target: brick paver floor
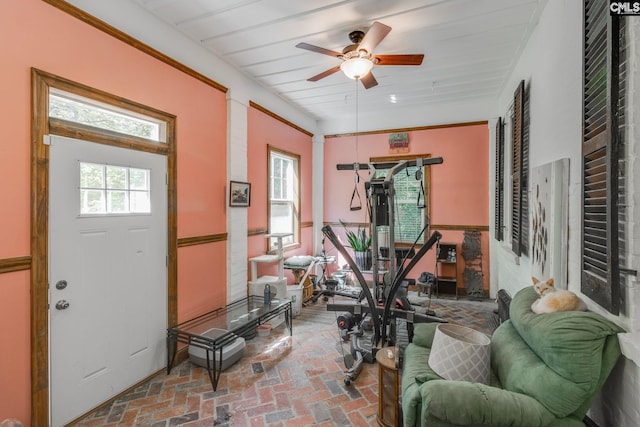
x=281, y=381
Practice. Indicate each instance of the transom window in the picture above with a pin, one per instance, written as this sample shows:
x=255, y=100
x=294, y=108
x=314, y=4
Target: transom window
x=76, y=109
x=108, y=189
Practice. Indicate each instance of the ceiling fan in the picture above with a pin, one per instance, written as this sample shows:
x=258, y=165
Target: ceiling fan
x=358, y=58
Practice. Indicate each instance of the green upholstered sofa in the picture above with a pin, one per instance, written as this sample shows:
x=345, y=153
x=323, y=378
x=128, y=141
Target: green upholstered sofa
x=546, y=369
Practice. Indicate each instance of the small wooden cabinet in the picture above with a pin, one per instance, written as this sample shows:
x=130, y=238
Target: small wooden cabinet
x=388, y=387
x=447, y=270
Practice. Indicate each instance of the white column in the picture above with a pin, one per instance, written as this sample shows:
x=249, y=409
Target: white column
x=237, y=223
x=318, y=191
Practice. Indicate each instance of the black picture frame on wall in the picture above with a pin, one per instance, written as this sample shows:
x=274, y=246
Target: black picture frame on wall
x=239, y=194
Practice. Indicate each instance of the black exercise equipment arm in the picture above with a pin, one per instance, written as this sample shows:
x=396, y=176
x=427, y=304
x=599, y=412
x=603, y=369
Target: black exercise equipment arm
x=410, y=316
x=388, y=165
x=435, y=236
x=328, y=232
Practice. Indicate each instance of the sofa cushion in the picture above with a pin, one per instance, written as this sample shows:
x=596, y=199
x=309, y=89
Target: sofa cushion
x=416, y=369
x=555, y=357
x=416, y=372
x=521, y=371
x=423, y=334
x=461, y=403
x=569, y=342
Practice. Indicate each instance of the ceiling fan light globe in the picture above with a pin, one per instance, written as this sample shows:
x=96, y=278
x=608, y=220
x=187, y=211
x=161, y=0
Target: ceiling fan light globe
x=356, y=68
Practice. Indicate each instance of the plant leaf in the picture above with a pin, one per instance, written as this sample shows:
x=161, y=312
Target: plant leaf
x=358, y=240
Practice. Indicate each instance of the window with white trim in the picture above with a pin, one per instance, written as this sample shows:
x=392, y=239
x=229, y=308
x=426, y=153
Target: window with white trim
x=284, y=196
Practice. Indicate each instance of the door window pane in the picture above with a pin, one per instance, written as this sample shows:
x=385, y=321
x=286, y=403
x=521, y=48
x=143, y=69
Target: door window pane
x=138, y=179
x=140, y=201
x=92, y=201
x=116, y=201
x=91, y=176
x=116, y=177
x=108, y=189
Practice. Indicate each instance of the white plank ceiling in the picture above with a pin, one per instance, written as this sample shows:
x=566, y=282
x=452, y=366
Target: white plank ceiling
x=470, y=48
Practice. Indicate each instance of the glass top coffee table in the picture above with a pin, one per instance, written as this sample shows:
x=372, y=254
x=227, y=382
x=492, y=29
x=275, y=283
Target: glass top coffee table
x=237, y=319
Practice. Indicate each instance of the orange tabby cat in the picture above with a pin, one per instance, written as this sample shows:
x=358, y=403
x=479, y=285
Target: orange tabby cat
x=552, y=299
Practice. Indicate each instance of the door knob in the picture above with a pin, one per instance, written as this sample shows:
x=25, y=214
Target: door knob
x=62, y=304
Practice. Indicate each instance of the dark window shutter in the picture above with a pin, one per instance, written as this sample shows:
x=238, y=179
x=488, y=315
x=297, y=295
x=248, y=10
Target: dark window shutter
x=516, y=170
x=499, y=181
x=623, y=155
x=600, y=152
x=524, y=174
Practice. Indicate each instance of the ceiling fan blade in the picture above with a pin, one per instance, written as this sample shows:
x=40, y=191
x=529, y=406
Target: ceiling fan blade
x=374, y=36
x=368, y=81
x=398, y=59
x=318, y=49
x=324, y=74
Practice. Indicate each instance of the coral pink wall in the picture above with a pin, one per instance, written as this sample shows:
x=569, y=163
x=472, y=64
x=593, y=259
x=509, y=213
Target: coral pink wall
x=38, y=35
x=459, y=186
x=15, y=363
x=201, y=279
x=264, y=130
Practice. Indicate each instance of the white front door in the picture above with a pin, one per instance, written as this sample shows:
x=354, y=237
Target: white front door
x=107, y=272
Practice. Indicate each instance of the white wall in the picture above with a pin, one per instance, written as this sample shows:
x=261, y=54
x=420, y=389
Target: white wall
x=551, y=67
x=551, y=64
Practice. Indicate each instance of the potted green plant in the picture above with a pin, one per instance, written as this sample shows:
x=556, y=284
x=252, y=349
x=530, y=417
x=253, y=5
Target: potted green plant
x=360, y=242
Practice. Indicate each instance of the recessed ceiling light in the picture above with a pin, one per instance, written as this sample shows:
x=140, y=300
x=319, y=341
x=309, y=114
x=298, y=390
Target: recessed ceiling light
x=393, y=98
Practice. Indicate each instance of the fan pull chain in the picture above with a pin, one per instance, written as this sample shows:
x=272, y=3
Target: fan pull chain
x=357, y=115
x=356, y=166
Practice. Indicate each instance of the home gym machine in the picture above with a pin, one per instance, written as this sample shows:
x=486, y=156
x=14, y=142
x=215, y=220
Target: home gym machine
x=330, y=286
x=372, y=325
